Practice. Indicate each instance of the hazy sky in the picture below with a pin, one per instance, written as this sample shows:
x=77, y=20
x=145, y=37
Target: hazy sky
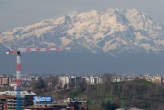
x=22, y=12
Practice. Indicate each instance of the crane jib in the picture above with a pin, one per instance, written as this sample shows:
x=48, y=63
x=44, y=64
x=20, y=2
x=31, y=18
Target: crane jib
x=18, y=68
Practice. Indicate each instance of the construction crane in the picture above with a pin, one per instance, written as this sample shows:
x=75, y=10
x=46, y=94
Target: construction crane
x=18, y=67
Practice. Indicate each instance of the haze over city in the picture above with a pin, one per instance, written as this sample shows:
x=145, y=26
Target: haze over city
x=21, y=13
x=81, y=55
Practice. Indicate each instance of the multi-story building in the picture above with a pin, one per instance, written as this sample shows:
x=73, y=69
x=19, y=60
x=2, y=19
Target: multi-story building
x=91, y=79
x=5, y=81
x=8, y=99
x=3, y=101
x=63, y=81
x=73, y=80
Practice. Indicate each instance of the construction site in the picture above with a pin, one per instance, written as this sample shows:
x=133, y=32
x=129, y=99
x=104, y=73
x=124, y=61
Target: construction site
x=28, y=100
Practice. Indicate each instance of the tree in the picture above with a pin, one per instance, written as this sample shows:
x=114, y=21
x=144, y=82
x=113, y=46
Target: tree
x=82, y=84
x=109, y=106
x=52, y=82
x=38, y=85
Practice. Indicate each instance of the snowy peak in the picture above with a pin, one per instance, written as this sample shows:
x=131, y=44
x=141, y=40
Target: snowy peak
x=110, y=31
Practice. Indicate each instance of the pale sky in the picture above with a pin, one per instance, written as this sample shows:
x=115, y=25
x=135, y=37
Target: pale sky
x=14, y=13
x=23, y=12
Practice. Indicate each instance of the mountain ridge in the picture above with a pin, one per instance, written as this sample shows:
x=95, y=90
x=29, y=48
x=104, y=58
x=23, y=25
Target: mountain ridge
x=111, y=31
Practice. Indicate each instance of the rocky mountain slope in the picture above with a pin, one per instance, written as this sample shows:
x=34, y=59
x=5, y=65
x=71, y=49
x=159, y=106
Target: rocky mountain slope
x=110, y=31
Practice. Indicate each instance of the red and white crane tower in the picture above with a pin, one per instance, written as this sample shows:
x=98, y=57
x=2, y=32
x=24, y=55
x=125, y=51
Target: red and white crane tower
x=18, y=67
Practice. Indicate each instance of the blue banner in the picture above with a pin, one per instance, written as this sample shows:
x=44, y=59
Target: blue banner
x=42, y=99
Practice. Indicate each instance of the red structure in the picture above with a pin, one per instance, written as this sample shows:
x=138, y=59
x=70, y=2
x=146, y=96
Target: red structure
x=18, y=68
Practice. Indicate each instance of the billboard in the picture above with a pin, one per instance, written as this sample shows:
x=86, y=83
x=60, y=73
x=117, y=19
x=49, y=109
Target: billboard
x=42, y=99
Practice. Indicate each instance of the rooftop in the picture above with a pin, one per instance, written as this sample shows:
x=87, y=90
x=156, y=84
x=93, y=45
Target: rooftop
x=13, y=93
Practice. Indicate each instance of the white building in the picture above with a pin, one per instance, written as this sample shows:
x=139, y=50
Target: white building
x=63, y=80
x=72, y=80
x=93, y=79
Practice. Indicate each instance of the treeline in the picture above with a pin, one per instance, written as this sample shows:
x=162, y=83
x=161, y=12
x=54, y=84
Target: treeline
x=108, y=95
x=136, y=93
x=46, y=84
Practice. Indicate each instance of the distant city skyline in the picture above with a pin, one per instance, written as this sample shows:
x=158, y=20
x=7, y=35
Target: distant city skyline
x=24, y=12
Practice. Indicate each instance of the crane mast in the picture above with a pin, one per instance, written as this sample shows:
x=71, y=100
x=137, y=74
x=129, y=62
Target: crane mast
x=18, y=67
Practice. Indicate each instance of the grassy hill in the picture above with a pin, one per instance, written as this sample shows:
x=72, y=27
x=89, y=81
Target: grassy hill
x=108, y=96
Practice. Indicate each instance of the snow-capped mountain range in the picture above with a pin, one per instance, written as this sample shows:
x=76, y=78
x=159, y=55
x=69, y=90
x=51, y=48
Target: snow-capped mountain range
x=109, y=31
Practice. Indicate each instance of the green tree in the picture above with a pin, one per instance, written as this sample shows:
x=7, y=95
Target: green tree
x=38, y=85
